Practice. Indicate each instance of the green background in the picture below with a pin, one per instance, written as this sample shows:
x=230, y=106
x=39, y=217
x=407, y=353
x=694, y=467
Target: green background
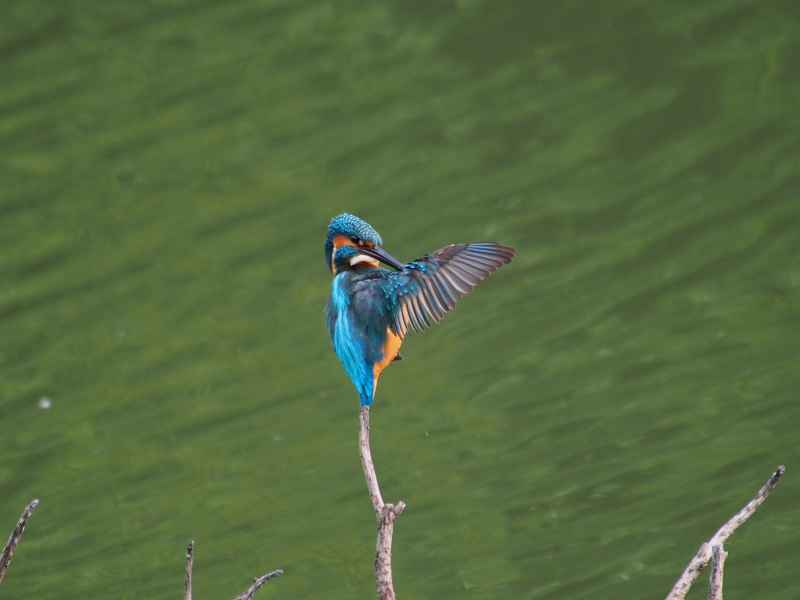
x=574, y=429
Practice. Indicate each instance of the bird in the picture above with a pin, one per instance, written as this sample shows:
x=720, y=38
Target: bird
x=371, y=309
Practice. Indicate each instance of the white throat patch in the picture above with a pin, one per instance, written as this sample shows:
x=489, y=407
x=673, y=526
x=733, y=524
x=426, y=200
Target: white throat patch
x=363, y=258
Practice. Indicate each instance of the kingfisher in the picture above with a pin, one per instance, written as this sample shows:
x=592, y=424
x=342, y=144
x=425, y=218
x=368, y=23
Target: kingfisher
x=371, y=309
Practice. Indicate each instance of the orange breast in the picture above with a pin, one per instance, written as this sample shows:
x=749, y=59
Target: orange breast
x=390, y=348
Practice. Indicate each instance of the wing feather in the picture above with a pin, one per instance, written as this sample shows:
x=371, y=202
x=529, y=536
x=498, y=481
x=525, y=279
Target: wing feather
x=401, y=322
x=430, y=286
x=448, y=302
x=419, y=312
x=461, y=286
x=432, y=304
x=411, y=318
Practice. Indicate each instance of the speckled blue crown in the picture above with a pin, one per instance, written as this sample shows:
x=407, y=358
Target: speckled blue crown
x=348, y=225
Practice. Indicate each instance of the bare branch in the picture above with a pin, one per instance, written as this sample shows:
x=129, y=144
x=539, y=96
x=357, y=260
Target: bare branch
x=699, y=562
x=187, y=580
x=385, y=513
x=366, y=460
x=257, y=583
x=8, y=551
x=715, y=580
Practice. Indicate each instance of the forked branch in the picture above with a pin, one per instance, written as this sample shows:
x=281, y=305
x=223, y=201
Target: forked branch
x=714, y=546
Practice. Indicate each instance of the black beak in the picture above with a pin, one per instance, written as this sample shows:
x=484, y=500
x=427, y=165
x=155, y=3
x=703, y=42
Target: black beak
x=382, y=255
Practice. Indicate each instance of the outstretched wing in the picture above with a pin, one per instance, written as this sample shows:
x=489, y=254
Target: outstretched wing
x=430, y=286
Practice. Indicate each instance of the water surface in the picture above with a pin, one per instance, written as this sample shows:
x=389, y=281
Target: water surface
x=575, y=429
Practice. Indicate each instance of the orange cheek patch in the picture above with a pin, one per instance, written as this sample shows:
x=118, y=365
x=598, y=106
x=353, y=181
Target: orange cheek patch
x=341, y=240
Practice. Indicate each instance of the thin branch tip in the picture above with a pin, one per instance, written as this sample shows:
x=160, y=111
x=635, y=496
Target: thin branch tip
x=257, y=583
x=187, y=578
x=8, y=551
x=778, y=473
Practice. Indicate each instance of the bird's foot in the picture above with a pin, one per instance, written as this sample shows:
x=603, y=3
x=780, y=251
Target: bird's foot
x=398, y=356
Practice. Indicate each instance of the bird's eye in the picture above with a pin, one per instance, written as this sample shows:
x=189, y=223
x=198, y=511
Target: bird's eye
x=354, y=239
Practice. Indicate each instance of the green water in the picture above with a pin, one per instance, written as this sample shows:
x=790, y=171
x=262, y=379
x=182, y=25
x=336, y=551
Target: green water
x=574, y=429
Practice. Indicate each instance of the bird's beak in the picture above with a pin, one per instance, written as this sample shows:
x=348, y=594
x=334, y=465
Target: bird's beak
x=383, y=256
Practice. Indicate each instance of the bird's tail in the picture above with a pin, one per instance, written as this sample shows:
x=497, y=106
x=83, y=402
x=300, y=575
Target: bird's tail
x=366, y=392
x=365, y=398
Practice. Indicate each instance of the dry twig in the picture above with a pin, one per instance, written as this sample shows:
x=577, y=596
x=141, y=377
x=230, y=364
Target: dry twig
x=385, y=513
x=699, y=562
x=715, y=579
x=187, y=580
x=246, y=595
x=8, y=551
x=257, y=583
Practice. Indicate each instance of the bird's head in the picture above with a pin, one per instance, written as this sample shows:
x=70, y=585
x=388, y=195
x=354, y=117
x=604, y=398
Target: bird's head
x=353, y=242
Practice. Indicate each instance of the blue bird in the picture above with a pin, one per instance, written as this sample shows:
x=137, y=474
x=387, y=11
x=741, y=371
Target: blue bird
x=371, y=309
